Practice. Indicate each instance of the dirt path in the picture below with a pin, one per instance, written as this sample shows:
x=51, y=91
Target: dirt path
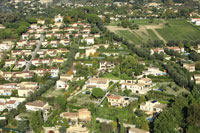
x=153, y=28
x=116, y=28
x=159, y=36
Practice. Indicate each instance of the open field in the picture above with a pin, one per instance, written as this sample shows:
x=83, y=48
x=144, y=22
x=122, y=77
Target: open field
x=140, y=22
x=178, y=29
x=130, y=36
x=137, y=37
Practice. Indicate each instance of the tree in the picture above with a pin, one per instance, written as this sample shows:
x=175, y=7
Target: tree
x=130, y=65
x=197, y=66
x=32, y=20
x=97, y=93
x=3, y=123
x=142, y=99
x=70, y=72
x=194, y=55
x=114, y=125
x=61, y=102
x=127, y=92
x=194, y=115
x=67, y=19
x=23, y=125
x=14, y=93
x=62, y=129
x=106, y=128
x=36, y=121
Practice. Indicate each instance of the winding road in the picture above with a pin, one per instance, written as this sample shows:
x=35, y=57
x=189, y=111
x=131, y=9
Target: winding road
x=28, y=65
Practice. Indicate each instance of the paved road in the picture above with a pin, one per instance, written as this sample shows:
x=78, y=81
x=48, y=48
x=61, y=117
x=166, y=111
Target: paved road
x=103, y=98
x=106, y=94
x=28, y=65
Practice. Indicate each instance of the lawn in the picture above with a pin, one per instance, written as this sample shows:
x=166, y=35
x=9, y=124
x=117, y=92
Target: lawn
x=112, y=113
x=179, y=30
x=168, y=88
x=110, y=76
x=52, y=93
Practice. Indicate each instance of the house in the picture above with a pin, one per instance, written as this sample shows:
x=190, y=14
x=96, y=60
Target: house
x=9, y=62
x=15, y=53
x=37, y=105
x=90, y=51
x=24, y=75
x=62, y=50
x=116, y=100
x=62, y=84
x=26, y=88
x=177, y=49
x=97, y=35
x=137, y=130
x=40, y=30
x=20, y=63
x=65, y=42
x=152, y=106
x=139, y=88
x=2, y=106
x=45, y=1
x=52, y=71
x=25, y=36
x=51, y=129
x=2, y=27
x=5, y=46
x=12, y=104
x=84, y=115
x=157, y=50
x=67, y=77
x=196, y=21
x=86, y=30
x=39, y=21
x=102, y=83
x=106, y=65
x=34, y=26
x=146, y=81
x=154, y=71
x=58, y=60
x=58, y=18
x=77, y=129
x=197, y=78
x=73, y=116
x=7, y=75
x=189, y=67
x=59, y=24
x=6, y=89
x=89, y=40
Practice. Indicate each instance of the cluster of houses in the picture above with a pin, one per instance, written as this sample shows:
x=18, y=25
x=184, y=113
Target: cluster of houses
x=152, y=106
x=161, y=50
x=10, y=103
x=141, y=86
x=24, y=89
